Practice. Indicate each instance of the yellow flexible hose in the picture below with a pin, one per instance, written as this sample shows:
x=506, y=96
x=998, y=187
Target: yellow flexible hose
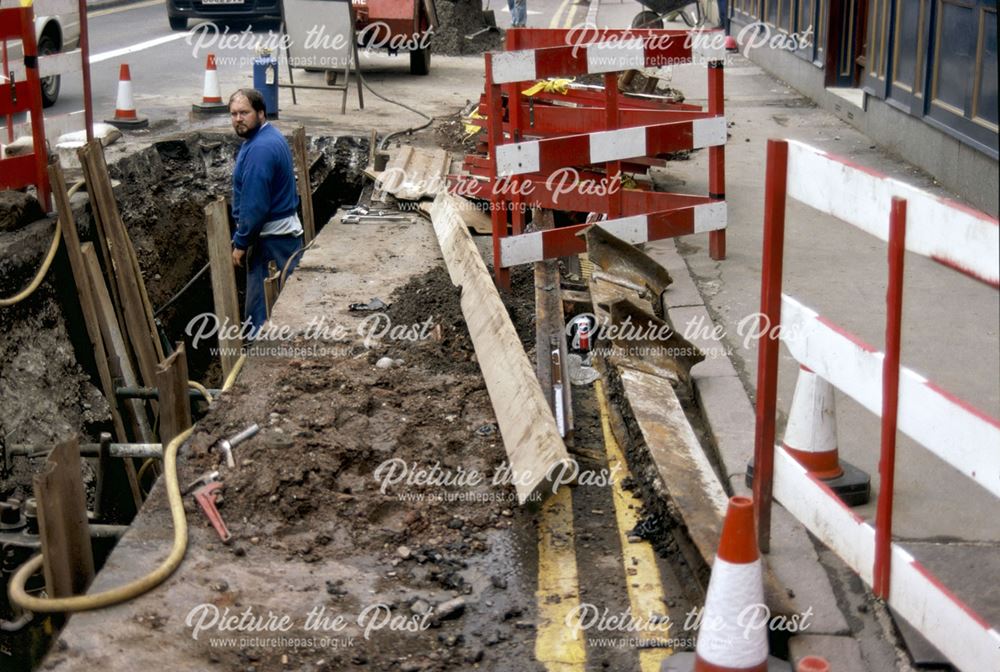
x=46, y=263
x=19, y=596
x=194, y=385
x=231, y=378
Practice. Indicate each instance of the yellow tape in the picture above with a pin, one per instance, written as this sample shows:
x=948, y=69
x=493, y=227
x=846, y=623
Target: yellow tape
x=560, y=86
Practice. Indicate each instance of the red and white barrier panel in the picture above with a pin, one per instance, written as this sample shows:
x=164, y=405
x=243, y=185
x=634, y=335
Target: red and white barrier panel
x=611, y=55
x=967, y=640
x=530, y=247
x=961, y=435
x=950, y=233
x=533, y=156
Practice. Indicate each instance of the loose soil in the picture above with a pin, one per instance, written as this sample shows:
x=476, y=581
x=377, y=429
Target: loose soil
x=458, y=18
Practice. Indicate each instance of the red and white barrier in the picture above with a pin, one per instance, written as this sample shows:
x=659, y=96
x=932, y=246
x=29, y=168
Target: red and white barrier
x=948, y=232
x=966, y=438
x=538, y=245
x=947, y=622
x=625, y=50
x=958, y=433
x=534, y=156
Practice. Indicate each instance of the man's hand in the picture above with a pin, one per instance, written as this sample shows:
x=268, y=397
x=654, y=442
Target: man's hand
x=238, y=257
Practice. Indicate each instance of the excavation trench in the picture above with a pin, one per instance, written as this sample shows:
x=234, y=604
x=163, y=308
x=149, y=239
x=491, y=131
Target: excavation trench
x=314, y=530
x=49, y=387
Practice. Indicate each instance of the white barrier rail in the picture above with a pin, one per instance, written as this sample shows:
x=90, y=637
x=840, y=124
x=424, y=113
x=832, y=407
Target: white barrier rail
x=959, y=633
x=961, y=435
x=948, y=232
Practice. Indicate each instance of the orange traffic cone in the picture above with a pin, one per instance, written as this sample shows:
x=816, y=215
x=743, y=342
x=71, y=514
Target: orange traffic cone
x=811, y=438
x=211, y=94
x=813, y=664
x=726, y=643
x=731, y=43
x=125, y=113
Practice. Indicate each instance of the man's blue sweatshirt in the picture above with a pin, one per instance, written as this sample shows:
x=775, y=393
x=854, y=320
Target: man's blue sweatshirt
x=263, y=184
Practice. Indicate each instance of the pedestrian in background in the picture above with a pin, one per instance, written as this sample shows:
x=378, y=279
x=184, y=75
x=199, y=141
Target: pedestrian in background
x=518, y=13
x=265, y=200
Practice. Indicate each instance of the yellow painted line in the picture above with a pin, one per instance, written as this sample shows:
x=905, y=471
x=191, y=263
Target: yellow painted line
x=642, y=576
x=554, y=23
x=558, y=646
x=124, y=8
x=571, y=16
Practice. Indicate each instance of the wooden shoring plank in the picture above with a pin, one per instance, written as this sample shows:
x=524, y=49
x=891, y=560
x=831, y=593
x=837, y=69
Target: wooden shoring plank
x=175, y=407
x=224, y=296
x=68, y=559
x=139, y=325
x=120, y=369
x=114, y=343
x=536, y=453
x=300, y=152
x=84, y=292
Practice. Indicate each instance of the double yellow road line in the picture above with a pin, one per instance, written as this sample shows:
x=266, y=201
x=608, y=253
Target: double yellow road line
x=569, y=16
x=560, y=646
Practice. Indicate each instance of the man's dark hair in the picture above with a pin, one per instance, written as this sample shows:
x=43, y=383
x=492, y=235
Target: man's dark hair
x=253, y=96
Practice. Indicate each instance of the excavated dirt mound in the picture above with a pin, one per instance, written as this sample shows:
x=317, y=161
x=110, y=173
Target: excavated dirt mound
x=309, y=489
x=458, y=18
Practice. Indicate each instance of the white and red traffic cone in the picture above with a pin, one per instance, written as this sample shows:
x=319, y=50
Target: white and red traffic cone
x=726, y=643
x=813, y=664
x=211, y=94
x=126, y=115
x=811, y=438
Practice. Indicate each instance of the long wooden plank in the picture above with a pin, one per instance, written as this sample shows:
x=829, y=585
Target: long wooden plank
x=224, y=296
x=124, y=269
x=175, y=407
x=535, y=451
x=300, y=153
x=68, y=559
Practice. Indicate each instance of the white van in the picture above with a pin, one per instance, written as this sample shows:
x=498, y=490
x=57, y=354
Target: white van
x=54, y=32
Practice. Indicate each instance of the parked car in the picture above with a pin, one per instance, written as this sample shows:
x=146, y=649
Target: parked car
x=53, y=34
x=179, y=11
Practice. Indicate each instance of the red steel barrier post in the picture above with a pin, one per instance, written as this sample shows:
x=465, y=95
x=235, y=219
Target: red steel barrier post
x=514, y=182
x=768, y=333
x=717, y=155
x=890, y=399
x=30, y=50
x=494, y=138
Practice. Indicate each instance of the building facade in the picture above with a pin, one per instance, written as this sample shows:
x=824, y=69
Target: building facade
x=919, y=76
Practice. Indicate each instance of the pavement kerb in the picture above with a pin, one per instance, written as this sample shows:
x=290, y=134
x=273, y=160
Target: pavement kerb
x=731, y=419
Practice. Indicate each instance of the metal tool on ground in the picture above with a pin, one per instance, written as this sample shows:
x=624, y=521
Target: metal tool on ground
x=209, y=496
x=374, y=303
x=226, y=445
x=207, y=477
x=557, y=387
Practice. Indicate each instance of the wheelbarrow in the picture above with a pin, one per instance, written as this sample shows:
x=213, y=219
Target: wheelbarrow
x=658, y=11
